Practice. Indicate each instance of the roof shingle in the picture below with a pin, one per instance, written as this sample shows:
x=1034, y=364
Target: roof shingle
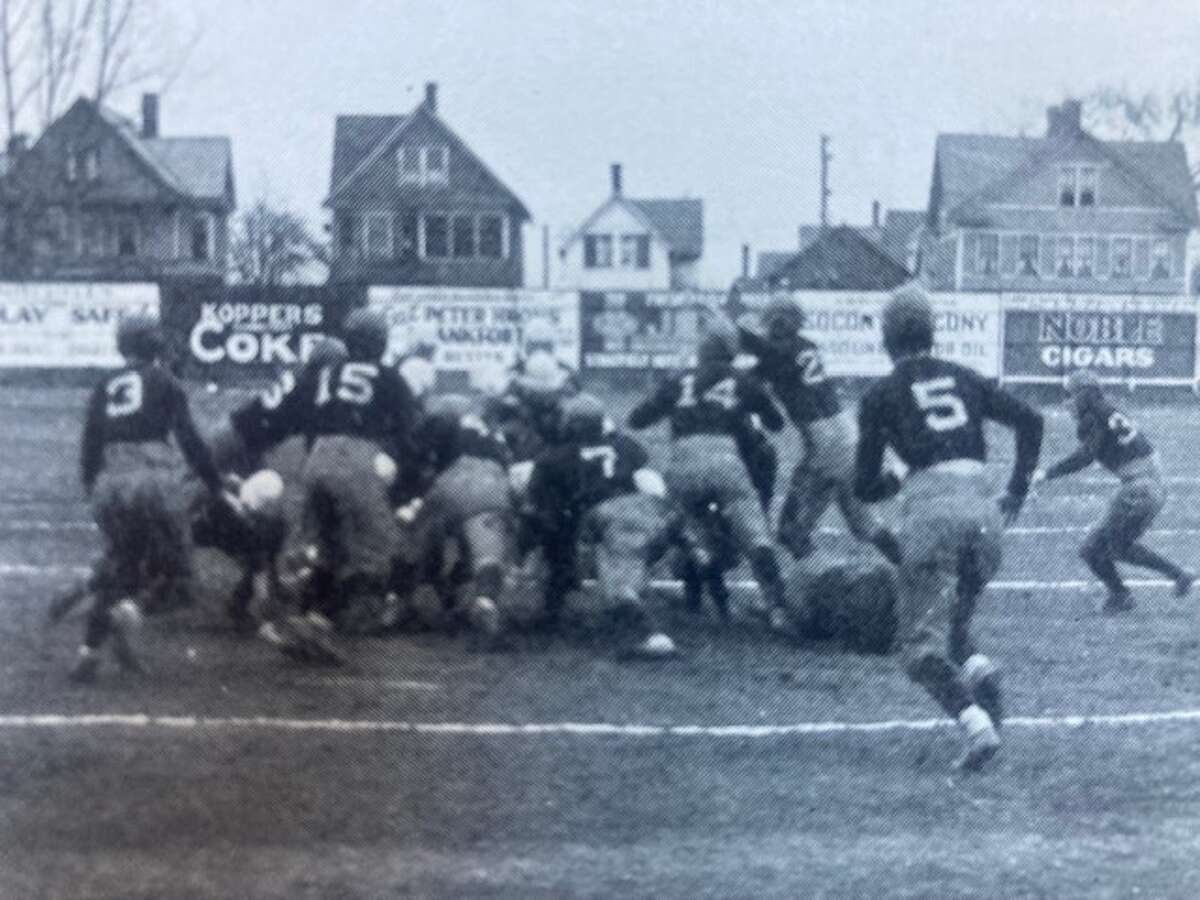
x=679, y=222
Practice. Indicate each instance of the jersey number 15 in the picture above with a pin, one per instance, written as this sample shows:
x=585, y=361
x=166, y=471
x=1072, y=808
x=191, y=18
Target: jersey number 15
x=356, y=384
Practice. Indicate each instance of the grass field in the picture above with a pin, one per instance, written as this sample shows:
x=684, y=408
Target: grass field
x=745, y=768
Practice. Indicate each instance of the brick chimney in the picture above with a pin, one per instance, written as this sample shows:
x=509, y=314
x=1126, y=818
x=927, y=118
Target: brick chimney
x=431, y=96
x=616, y=179
x=745, y=260
x=1064, y=120
x=875, y=210
x=149, y=115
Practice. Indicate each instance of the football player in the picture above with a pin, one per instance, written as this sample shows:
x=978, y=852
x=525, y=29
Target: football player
x=705, y=407
x=588, y=487
x=468, y=504
x=792, y=365
x=358, y=416
x=931, y=412
x=1111, y=438
x=131, y=472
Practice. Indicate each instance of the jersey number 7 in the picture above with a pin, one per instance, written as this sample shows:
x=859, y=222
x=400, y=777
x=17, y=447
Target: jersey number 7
x=944, y=409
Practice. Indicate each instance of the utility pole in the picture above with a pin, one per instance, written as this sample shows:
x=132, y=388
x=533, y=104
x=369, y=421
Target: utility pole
x=826, y=193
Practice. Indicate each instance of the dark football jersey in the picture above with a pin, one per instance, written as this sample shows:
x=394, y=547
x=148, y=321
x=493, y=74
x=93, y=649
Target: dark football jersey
x=570, y=479
x=139, y=405
x=357, y=399
x=709, y=400
x=796, y=373
x=442, y=439
x=932, y=411
x=1107, y=436
x=263, y=420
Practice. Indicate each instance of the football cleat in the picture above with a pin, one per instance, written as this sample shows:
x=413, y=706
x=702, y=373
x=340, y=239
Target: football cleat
x=485, y=616
x=656, y=646
x=982, y=740
x=1118, y=602
x=1183, y=584
x=127, y=622
x=309, y=639
x=982, y=678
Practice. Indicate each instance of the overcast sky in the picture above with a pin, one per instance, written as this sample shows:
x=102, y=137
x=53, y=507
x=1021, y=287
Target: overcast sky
x=719, y=100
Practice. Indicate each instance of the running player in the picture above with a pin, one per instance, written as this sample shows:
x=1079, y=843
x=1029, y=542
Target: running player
x=131, y=471
x=792, y=365
x=705, y=407
x=931, y=412
x=1111, y=438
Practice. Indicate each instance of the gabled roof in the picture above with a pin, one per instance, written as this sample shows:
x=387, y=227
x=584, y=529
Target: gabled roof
x=970, y=166
x=360, y=140
x=680, y=223
x=840, y=259
x=677, y=223
x=770, y=260
x=893, y=238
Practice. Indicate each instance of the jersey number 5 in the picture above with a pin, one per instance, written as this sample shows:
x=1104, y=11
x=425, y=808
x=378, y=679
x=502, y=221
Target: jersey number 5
x=356, y=384
x=124, y=395
x=944, y=409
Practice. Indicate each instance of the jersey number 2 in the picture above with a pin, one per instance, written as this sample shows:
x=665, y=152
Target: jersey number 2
x=124, y=395
x=944, y=410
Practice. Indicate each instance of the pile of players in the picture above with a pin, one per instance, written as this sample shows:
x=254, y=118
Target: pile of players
x=399, y=487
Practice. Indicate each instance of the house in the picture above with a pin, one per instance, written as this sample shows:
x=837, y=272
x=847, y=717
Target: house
x=897, y=234
x=1064, y=213
x=839, y=259
x=98, y=197
x=413, y=204
x=635, y=245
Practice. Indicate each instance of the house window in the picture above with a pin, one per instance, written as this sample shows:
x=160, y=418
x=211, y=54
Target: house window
x=635, y=251
x=56, y=224
x=1160, y=259
x=94, y=232
x=1121, y=265
x=91, y=164
x=1066, y=186
x=1028, y=255
x=202, y=235
x=989, y=254
x=1087, y=185
x=72, y=164
x=464, y=237
x=1085, y=257
x=435, y=164
x=348, y=232
x=408, y=164
x=410, y=235
x=437, y=237
x=127, y=237
x=1064, y=257
x=597, y=251
x=491, y=237
x=377, y=233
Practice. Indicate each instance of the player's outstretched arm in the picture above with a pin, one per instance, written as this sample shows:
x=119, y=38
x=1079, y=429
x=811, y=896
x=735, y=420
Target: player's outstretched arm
x=195, y=451
x=655, y=407
x=871, y=483
x=92, y=452
x=1028, y=427
x=1090, y=435
x=758, y=402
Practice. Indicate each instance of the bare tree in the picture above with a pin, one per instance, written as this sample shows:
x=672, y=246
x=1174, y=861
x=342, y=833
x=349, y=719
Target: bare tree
x=271, y=246
x=1173, y=115
x=17, y=46
x=66, y=33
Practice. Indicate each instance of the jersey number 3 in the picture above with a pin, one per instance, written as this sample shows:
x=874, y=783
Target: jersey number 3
x=944, y=410
x=124, y=395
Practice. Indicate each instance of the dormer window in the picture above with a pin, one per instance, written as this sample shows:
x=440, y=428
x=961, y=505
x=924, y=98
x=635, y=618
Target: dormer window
x=1066, y=186
x=1077, y=185
x=91, y=164
x=72, y=170
x=423, y=165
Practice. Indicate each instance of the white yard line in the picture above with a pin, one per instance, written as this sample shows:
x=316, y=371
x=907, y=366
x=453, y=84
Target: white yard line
x=45, y=721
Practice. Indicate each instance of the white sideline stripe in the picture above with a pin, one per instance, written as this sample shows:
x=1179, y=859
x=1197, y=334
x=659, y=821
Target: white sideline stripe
x=391, y=683
x=670, y=584
x=81, y=525
x=572, y=729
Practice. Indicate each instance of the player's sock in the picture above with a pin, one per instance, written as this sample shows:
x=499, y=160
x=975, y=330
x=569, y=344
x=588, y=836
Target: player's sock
x=766, y=572
x=982, y=739
x=885, y=542
x=1143, y=556
x=942, y=680
x=489, y=580
x=1105, y=569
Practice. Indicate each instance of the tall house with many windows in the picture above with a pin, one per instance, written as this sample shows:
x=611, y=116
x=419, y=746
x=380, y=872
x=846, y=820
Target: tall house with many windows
x=100, y=197
x=635, y=245
x=1064, y=213
x=412, y=204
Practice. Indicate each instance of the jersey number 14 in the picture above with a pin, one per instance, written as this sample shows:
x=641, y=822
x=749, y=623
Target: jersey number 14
x=944, y=410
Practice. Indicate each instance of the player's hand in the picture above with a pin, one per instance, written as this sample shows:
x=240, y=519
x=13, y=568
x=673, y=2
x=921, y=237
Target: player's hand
x=408, y=513
x=1037, y=478
x=232, y=500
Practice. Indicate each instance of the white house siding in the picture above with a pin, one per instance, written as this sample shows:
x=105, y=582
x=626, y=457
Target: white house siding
x=616, y=220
